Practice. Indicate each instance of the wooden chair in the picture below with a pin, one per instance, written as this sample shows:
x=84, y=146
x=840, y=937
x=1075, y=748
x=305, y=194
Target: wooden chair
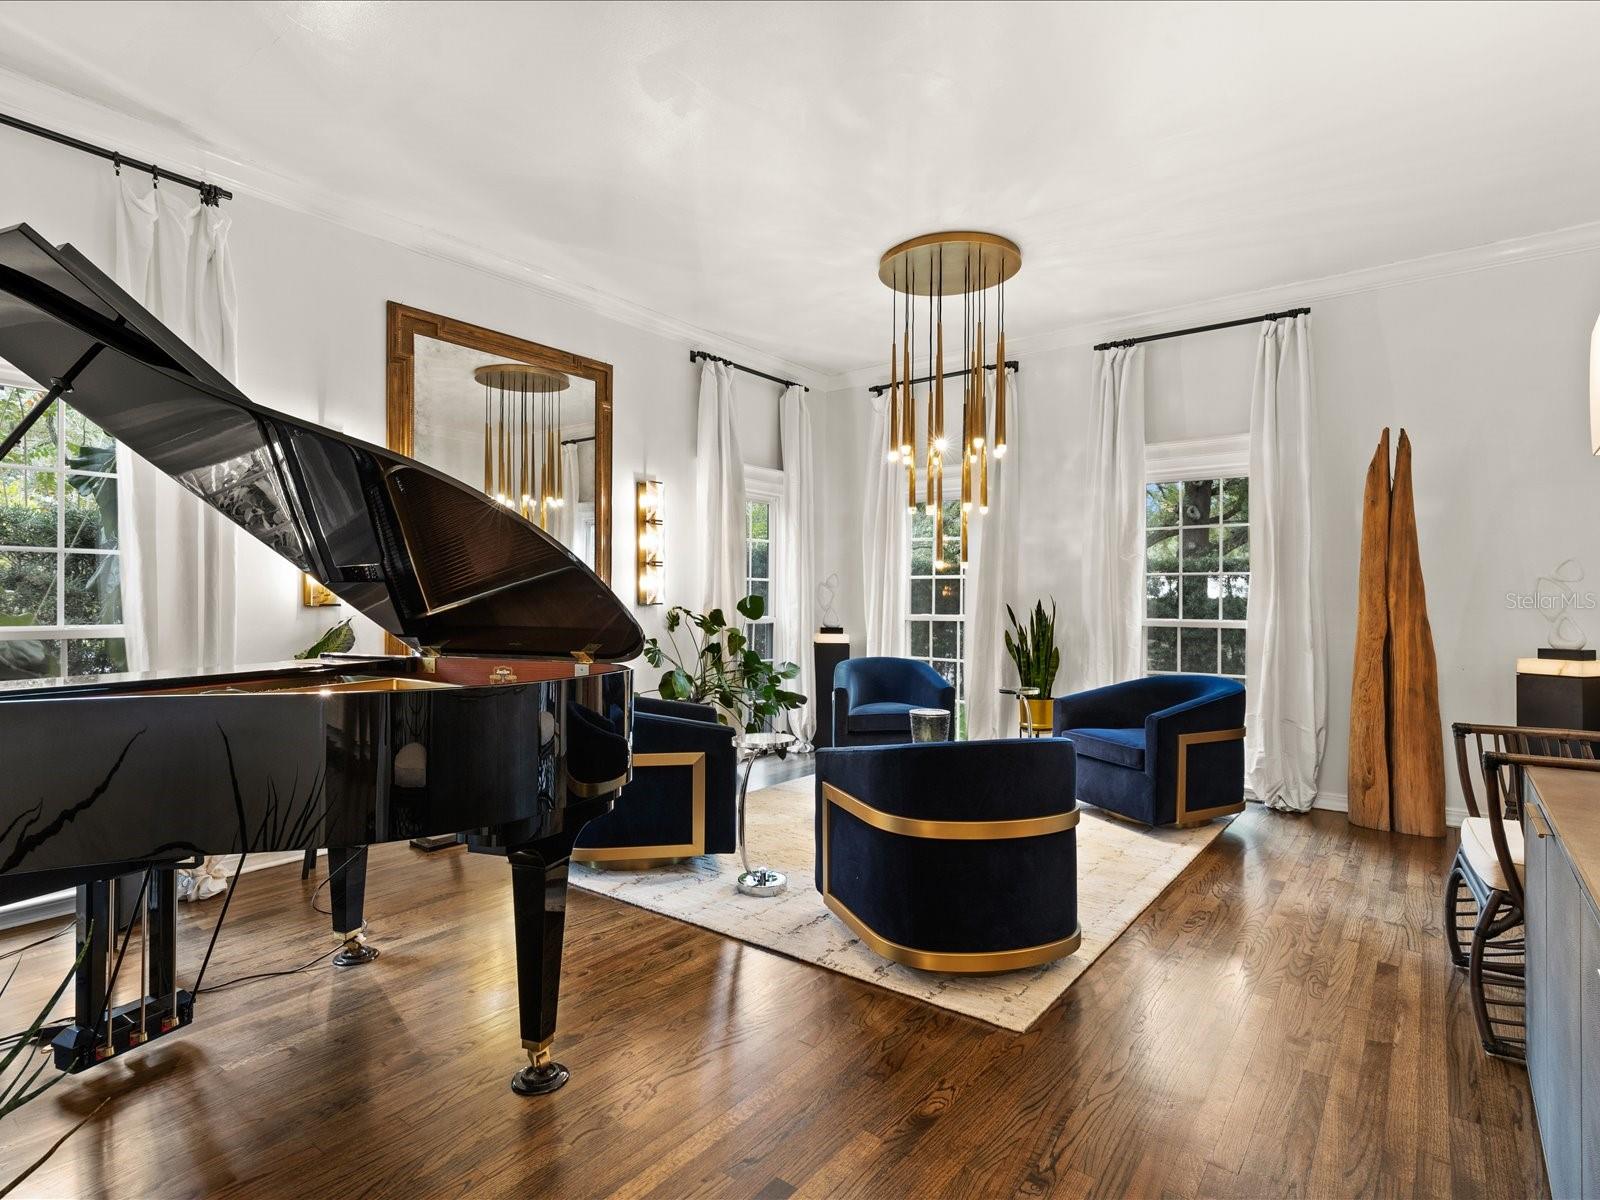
x=1483, y=899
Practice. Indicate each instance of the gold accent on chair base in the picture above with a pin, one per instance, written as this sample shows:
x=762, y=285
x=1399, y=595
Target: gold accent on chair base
x=981, y=962
x=990, y=962
x=950, y=831
x=1187, y=819
x=641, y=858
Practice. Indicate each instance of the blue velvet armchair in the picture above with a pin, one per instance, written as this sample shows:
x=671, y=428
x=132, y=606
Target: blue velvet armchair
x=1164, y=750
x=682, y=798
x=952, y=856
x=873, y=699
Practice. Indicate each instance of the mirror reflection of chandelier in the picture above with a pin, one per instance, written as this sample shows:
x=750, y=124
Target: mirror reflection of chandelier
x=936, y=265
x=522, y=437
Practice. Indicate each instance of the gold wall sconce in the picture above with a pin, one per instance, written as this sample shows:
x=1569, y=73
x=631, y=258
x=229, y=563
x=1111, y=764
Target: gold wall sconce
x=650, y=534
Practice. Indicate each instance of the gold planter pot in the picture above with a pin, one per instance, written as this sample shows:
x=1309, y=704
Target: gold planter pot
x=1041, y=715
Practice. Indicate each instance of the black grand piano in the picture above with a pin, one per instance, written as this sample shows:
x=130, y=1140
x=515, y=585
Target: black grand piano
x=511, y=723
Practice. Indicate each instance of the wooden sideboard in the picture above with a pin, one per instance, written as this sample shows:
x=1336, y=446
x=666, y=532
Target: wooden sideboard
x=1561, y=835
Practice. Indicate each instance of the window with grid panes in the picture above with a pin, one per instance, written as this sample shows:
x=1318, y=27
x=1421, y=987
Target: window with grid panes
x=60, y=572
x=758, y=573
x=936, y=624
x=1197, y=575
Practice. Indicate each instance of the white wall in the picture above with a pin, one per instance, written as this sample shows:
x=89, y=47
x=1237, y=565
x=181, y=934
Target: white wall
x=311, y=343
x=1486, y=370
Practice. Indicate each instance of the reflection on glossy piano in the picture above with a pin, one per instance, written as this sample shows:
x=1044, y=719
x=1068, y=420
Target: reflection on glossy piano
x=511, y=721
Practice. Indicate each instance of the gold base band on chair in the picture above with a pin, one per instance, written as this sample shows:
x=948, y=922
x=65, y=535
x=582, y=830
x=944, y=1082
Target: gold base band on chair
x=978, y=962
x=1199, y=816
x=641, y=858
x=950, y=831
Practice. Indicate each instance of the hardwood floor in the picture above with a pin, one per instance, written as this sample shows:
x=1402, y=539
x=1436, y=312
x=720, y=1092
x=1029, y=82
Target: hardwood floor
x=1283, y=1021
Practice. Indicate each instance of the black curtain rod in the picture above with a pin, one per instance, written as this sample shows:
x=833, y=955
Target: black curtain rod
x=210, y=193
x=575, y=441
x=878, y=389
x=697, y=355
x=1161, y=337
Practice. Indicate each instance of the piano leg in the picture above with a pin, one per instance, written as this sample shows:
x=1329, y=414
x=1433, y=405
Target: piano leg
x=162, y=903
x=95, y=940
x=539, y=903
x=347, y=895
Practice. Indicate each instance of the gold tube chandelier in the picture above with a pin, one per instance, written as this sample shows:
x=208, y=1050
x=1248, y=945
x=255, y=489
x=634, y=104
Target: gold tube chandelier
x=522, y=437
x=975, y=267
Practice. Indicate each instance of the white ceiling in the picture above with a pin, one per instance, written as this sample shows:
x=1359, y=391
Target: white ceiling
x=741, y=167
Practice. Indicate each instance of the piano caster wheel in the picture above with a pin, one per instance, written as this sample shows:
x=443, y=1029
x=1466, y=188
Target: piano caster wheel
x=541, y=1076
x=355, y=954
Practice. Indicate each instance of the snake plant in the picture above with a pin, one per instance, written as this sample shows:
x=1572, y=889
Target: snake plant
x=1033, y=648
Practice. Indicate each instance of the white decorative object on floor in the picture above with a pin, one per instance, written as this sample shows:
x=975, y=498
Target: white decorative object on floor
x=719, y=493
x=1286, y=645
x=796, y=600
x=1113, y=561
x=1122, y=868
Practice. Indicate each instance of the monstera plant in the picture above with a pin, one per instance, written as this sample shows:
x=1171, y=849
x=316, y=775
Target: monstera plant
x=337, y=640
x=720, y=669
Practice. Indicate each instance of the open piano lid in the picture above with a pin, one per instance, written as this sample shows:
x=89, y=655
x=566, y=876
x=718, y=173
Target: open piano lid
x=433, y=561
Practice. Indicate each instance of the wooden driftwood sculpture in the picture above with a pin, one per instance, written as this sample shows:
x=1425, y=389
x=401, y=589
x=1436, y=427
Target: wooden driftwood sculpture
x=1396, y=737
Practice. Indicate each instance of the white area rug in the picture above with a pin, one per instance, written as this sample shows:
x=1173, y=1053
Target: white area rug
x=1121, y=869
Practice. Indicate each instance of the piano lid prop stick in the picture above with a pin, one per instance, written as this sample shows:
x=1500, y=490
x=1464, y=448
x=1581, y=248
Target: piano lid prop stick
x=58, y=388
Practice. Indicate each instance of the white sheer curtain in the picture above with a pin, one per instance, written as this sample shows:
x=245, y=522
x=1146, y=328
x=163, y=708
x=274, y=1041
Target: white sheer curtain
x=1113, y=567
x=796, y=581
x=566, y=523
x=719, y=492
x=1286, y=716
x=992, y=580
x=885, y=546
x=178, y=554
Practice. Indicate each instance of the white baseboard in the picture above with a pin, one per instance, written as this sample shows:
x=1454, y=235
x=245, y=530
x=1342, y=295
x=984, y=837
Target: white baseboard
x=1340, y=802
x=56, y=904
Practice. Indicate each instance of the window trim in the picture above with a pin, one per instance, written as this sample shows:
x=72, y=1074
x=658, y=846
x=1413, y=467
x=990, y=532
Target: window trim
x=952, y=481
x=765, y=485
x=1175, y=462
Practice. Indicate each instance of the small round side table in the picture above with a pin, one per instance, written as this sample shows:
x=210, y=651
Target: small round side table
x=758, y=881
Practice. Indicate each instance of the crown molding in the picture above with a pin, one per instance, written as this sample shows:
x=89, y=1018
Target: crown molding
x=182, y=150
x=54, y=108
x=1576, y=239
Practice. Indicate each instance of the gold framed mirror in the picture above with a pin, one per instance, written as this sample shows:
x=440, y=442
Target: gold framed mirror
x=525, y=423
